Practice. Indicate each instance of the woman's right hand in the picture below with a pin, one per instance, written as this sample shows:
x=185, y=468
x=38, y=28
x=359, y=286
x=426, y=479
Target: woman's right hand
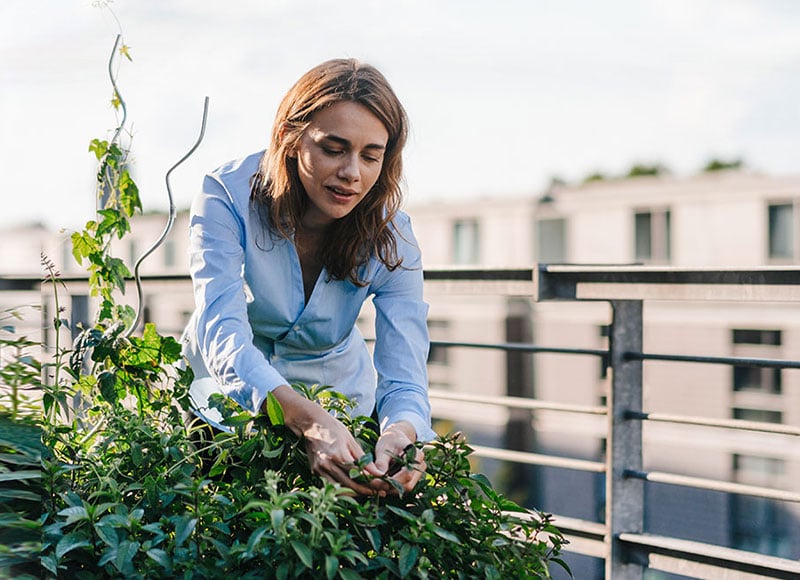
x=332, y=450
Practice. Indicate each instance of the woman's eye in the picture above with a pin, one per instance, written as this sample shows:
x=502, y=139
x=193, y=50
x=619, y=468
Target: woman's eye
x=371, y=159
x=332, y=152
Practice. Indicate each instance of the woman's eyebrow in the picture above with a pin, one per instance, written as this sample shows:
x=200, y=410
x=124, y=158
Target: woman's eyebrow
x=346, y=142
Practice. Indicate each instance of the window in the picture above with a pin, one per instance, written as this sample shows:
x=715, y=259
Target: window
x=551, y=240
x=751, y=336
x=466, y=242
x=758, y=415
x=169, y=254
x=781, y=231
x=757, y=379
x=758, y=524
x=653, y=238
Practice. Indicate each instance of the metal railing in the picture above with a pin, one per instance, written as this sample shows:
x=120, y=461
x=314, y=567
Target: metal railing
x=621, y=540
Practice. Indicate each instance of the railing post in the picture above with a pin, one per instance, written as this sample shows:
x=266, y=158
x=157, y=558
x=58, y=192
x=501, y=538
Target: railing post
x=523, y=480
x=624, y=496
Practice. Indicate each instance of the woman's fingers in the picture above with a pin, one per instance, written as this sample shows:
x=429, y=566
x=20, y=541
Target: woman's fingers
x=335, y=472
x=409, y=476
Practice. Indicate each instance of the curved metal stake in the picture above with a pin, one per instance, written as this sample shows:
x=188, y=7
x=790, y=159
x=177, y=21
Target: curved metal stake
x=170, y=221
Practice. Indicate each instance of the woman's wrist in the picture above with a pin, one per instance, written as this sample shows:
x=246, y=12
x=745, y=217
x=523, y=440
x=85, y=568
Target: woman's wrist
x=404, y=427
x=298, y=412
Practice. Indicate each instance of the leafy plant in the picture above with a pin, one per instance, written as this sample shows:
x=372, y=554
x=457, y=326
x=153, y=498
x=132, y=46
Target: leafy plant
x=152, y=498
x=20, y=453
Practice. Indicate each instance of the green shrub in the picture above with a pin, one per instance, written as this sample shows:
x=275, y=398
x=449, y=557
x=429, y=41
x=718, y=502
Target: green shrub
x=146, y=497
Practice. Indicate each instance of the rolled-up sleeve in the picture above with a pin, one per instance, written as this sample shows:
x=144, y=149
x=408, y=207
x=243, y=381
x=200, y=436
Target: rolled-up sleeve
x=223, y=333
x=402, y=342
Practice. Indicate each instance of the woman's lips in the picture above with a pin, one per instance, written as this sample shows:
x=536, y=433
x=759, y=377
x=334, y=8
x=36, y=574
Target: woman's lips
x=341, y=194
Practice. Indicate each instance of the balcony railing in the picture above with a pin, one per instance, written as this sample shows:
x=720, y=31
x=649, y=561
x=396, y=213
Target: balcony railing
x=620, y=539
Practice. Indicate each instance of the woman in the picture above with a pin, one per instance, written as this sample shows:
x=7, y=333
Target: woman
x=286, y=246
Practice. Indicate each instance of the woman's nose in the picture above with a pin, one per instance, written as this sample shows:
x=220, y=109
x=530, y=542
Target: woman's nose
x=349, y=170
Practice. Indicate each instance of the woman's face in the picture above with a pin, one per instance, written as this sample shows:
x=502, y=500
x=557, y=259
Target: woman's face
x=339, y=159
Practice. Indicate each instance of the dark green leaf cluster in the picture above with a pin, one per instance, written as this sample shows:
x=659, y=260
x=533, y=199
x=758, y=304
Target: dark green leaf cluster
x=20, y=454
x=153, y=496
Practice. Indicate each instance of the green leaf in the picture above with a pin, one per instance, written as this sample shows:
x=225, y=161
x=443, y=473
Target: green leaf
x=99, y=148
x=170, y=348
x=49, y=563
x=117, y=271
x=74, y=514
x=304, y=553
x=129, y=194
x=274, y=410
x=108, y=386
x=283, y=571
x=161, y=557
x=108, y=534
x=238, y=419
x=83, y=246
x=71, y=542
x=445, y=535
x=183, y=529
x=125, y=554
x=346, y=574
x=331, y=566
x=277, y=516
x=19, y=494
x=408, y=557
x=137, y=457
x=402, y=513
x=20, y=475
x=374, y=537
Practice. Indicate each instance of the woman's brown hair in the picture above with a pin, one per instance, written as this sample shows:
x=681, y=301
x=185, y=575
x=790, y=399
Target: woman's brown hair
x=279, y=195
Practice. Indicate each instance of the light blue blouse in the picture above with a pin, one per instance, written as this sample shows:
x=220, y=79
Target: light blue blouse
x=252, y=330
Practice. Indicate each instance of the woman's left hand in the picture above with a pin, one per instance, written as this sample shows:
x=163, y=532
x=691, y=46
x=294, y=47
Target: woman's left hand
x=393, y=442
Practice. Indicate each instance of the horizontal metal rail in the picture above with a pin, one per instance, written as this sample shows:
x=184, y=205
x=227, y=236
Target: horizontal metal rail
x=522, y=347
x=713, y=485
x=723, y=360
x=734, y=424
x=700, y=560
x=635, y=282
x=539, y=459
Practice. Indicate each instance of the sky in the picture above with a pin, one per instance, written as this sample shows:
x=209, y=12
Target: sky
x=503, y=95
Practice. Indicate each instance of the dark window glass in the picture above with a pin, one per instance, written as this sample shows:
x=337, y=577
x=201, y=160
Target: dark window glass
x=781, y=231
x=759, y=415
x=754, y=336
x=757, y=379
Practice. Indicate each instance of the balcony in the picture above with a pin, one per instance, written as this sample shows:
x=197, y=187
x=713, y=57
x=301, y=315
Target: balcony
x=623, y=443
